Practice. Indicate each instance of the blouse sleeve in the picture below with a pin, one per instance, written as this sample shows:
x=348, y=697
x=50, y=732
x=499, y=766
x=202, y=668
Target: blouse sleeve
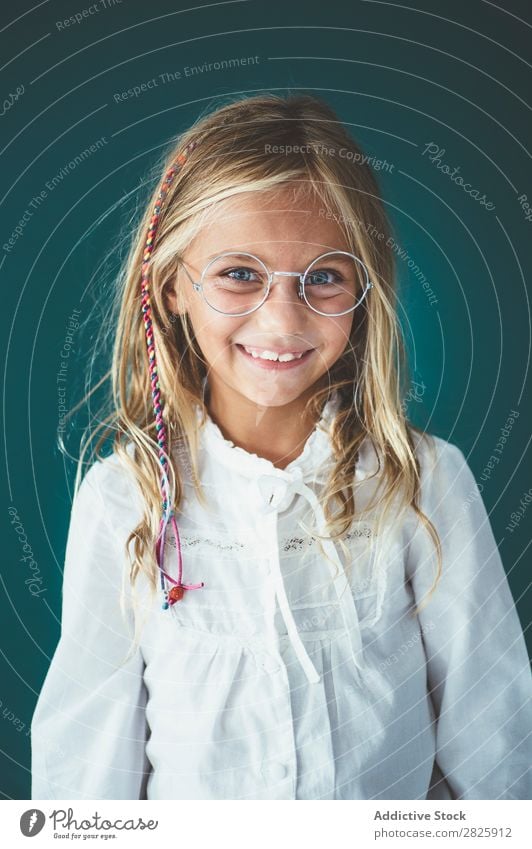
x=478, y=673
x=88, y=732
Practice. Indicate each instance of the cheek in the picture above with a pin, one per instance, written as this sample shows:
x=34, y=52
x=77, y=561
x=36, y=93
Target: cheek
x=214, y=334
x=337, y=332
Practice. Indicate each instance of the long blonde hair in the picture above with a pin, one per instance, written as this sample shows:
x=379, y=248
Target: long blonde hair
x=233, y=155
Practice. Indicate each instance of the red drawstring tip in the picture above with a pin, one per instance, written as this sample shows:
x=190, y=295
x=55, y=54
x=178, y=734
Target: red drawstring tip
x=176, y=594
x=178, y=591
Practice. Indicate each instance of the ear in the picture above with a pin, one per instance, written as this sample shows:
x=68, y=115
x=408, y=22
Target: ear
x=173, y=297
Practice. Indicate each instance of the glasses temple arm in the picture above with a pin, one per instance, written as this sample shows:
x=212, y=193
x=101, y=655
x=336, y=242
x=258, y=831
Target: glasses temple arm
x=182, y=263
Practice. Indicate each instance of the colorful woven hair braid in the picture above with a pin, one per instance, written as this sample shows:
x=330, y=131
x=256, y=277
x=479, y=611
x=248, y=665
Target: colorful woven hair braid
x=177, y=591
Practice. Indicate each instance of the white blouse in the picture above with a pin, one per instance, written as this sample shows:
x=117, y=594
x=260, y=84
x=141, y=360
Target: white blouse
x=277, y=680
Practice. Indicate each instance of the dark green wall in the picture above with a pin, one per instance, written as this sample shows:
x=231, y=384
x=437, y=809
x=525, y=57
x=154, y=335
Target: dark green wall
x=456, y=75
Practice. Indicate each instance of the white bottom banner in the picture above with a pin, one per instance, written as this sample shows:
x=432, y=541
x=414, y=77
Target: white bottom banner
x=243, y=823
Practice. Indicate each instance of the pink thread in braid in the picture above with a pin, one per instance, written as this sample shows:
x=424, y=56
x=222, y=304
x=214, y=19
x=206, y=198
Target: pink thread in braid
x=177, y=591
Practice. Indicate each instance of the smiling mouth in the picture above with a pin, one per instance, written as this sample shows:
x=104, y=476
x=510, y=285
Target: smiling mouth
x=273, y=356
x=274, y=360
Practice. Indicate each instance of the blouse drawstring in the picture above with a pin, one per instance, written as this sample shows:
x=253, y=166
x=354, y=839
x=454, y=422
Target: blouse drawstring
x=297, y=643
x=341, y=584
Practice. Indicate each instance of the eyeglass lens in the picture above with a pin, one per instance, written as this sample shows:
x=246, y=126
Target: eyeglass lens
x=233, y=283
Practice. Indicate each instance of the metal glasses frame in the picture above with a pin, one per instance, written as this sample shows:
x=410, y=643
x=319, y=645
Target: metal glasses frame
x=198, y=286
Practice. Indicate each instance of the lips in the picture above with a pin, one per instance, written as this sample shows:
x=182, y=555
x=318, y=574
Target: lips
x=274, y=354
x=277, y=360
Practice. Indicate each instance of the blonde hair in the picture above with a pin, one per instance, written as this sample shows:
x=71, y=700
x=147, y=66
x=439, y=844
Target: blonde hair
x=233, y=155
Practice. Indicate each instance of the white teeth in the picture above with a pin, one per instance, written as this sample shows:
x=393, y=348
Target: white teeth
x=284, y=358
x=272, y=355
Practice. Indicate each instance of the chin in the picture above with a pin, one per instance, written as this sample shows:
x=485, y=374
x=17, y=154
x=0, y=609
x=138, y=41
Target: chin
x=274, y=399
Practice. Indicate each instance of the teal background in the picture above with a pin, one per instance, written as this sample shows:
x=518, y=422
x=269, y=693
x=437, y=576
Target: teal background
x=456, y=74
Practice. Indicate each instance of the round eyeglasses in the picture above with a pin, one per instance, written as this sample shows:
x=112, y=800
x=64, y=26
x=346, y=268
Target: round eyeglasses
x=237, y=283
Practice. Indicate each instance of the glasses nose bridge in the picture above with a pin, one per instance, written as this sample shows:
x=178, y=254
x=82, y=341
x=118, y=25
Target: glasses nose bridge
x=298, y=274
x=287, y=274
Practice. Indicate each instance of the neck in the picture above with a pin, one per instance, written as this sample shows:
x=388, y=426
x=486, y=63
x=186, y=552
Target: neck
x=276, y=433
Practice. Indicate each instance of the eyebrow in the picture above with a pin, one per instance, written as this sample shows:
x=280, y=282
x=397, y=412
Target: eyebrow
x=233, y=253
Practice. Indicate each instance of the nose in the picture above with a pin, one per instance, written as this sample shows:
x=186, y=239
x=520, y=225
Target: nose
x=284, y=289
x=283, y=309
x=277, y=276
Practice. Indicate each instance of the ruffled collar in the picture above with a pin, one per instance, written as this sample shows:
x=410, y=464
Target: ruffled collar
x=313, y=463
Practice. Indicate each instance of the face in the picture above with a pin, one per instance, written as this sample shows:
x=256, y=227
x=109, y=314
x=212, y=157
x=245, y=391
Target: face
x=286, y=236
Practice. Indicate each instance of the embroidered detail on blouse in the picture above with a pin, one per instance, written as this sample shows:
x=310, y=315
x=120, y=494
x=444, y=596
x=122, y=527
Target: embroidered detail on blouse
x=190, y=542
x=288, y=543
x=298, y=543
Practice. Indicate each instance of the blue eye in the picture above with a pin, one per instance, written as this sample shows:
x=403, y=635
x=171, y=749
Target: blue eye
x=322, y=276
x=239, y=273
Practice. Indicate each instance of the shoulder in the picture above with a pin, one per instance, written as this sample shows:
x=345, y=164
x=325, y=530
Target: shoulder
x=446, y=479
x=110, y=485
x=435, y=453
x=106, y=472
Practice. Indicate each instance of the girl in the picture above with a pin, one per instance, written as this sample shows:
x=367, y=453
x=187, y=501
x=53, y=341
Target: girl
x=275, y=587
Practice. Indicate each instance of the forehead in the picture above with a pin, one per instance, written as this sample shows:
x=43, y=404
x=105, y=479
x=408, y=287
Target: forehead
x=276, y=225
